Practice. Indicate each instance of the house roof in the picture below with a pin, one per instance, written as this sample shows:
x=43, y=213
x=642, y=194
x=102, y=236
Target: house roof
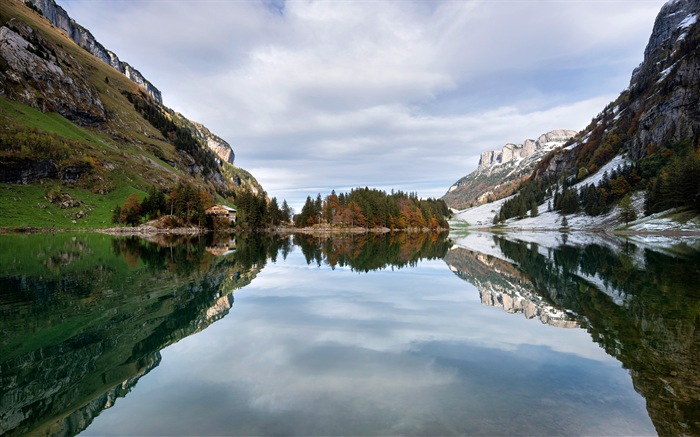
x=227, y=208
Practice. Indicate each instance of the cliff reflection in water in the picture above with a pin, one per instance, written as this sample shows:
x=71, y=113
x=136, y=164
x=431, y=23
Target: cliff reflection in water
x=83, y=317
x=641, y=304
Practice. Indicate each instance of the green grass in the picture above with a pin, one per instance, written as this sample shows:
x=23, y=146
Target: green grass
x=50, y=122
x=26, y=206
x=460, y=225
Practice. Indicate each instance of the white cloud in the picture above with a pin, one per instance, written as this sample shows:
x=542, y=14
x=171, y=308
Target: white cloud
x=330, y=94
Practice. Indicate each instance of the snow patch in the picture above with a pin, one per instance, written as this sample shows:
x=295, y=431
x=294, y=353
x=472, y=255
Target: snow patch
x=688, y=21
x=595, y=178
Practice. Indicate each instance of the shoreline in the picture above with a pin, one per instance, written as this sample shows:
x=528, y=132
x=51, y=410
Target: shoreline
x=148, y=230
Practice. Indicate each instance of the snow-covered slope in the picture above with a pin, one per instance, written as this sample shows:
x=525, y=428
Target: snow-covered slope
x=482, y=216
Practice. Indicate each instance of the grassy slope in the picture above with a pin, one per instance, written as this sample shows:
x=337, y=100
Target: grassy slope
x=129, y=153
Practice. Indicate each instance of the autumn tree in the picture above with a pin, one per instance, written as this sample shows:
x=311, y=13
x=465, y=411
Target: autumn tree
x=131, y=211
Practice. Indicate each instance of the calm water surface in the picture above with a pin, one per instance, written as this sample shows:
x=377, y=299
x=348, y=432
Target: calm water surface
x=371, y=335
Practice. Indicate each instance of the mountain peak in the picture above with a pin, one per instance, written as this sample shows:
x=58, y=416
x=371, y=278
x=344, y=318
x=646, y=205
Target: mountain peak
x=500, y=171
x=511, y=152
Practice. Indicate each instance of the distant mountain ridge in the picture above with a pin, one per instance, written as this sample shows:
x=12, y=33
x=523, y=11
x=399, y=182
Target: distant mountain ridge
x=500, y=171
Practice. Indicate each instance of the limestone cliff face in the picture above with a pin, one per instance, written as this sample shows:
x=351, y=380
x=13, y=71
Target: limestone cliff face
x=222, y=149
x=59, y=18
x=667, y=80
x=33, y=76
x=500, y=171
x=511, y=152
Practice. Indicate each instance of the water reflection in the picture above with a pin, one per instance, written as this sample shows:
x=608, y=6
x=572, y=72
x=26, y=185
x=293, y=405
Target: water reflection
x=367, y=252
x=83, y=317
x=318, y=349
x=639, y=302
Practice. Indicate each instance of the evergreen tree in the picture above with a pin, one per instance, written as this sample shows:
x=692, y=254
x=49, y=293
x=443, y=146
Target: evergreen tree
x=627, y=211
x=286, y=212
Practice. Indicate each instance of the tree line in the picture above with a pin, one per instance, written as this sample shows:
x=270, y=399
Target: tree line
x=186, y=204
x=373, y=208
x=566, y=198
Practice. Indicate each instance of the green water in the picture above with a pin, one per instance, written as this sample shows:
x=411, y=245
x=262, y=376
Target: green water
x=400, y=334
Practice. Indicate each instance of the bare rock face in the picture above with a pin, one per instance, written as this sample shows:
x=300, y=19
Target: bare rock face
x=667, y=80
x=59, y=18
x=511, y=152
x=500, y=171
x=34, y=76
x=222, y=149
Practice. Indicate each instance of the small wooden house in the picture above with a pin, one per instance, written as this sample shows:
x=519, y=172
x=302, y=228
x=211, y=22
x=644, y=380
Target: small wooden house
x=222, y=211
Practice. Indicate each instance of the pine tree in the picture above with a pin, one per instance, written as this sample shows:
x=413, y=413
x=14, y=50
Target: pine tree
x=533, y=209
x=627, y=211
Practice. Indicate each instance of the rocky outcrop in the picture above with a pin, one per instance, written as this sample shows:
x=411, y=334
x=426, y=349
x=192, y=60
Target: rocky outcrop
x=666, y=81
x=500, y=171
x=222, y=149
x=511, y=152
x=59, y=18
x=32, y=75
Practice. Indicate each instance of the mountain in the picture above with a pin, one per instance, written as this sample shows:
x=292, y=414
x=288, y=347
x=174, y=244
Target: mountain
x=80, y=122
x=651, y=132
x=501, y=171
x=610, y=287
x=59, y=18
x=642, y=148
x=658, y=109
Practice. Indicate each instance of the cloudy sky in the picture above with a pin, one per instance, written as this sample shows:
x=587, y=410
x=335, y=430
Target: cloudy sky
x=321, y=95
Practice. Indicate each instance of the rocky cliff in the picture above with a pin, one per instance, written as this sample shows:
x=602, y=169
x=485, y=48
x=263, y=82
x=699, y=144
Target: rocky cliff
x=658, y=109
x=502, y=285
x=59, y=18
x=44, y=77
x=215, y=143
x=500, y=171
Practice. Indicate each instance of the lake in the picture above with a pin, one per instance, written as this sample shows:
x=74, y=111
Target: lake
x=396, y=334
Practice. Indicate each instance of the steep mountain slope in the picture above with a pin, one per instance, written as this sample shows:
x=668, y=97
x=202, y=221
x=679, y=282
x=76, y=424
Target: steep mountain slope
x=59, y=18
x=658, y=109
x=89, y=127
x=652, y=130
x=501, y=171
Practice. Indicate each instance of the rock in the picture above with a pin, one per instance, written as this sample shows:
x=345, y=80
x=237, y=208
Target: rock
x=60, y=18
x=25, y=171
x=222, y=149
x=32, y=62
x=500, y=171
